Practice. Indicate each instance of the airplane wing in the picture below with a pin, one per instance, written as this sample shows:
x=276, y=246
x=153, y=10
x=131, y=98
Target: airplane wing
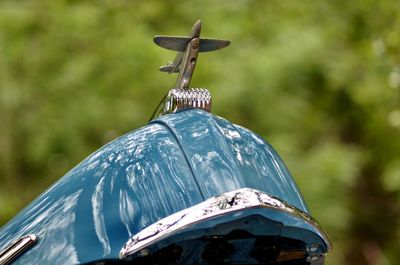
x=176, y=43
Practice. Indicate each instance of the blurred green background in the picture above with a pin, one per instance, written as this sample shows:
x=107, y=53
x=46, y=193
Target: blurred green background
x=320, y=80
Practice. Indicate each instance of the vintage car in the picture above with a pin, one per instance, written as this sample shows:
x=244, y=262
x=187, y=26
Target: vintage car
x=188, y=188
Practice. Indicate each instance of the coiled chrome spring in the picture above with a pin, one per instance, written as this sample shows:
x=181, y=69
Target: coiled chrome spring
x=180, y=99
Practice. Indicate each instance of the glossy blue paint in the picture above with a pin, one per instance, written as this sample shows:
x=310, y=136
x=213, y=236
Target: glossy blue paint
x=173, y=163
x=226, y=157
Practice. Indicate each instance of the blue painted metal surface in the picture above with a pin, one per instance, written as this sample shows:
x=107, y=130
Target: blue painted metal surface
x=173, y=163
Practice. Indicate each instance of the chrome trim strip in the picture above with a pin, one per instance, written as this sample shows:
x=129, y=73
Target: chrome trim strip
x=316, y=260
x=228, y=202
x=16, y=248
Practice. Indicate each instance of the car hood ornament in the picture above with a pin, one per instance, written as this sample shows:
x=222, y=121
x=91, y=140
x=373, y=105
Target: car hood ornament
x=181, y=96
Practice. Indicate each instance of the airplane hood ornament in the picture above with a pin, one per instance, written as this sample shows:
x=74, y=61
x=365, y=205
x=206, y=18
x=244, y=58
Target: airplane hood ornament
x=181, y=96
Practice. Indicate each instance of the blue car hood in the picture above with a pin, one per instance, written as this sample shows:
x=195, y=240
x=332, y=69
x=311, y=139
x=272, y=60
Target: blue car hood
x=173, y=163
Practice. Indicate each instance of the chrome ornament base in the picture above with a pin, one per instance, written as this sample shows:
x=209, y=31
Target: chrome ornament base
x=180, y=99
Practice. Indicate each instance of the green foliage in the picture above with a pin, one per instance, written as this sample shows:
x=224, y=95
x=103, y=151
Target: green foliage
x=320, y=80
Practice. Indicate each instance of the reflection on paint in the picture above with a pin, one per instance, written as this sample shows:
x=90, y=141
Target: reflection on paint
x=98, y=217
x=59, y=218
x=236, y=157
